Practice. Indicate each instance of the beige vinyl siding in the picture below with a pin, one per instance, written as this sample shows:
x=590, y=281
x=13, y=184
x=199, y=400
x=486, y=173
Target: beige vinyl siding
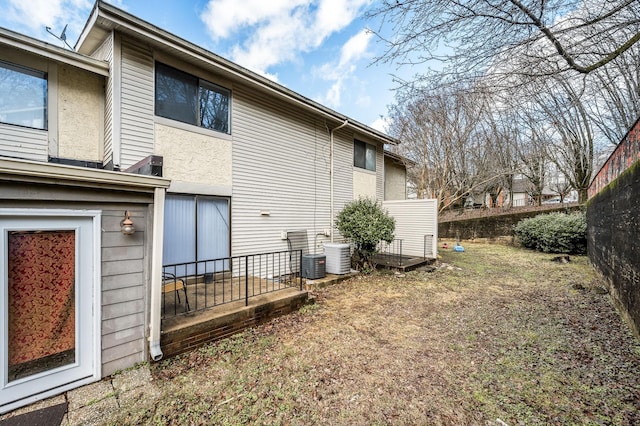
x=414, y=220
x=380, y=172
x=105, y=52
x=343, y=169
x=343, y=173
x=137, y=130
x=23, y=142
x=280, y=166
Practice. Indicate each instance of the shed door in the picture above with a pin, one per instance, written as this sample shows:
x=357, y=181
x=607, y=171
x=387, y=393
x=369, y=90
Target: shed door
x=46, y=305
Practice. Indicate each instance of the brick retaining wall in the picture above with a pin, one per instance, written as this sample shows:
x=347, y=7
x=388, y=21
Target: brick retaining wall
x=492, y=227
x=613, y=228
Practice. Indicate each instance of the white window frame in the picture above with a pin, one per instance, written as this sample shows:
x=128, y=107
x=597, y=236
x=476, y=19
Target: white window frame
x=368, y=148
x=200, y=84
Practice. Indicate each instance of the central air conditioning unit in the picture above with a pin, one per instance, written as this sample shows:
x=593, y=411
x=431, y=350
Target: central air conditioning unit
x=338, y=258
x=314, y=266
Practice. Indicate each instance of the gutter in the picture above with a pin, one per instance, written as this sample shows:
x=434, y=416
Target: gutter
x=62, y=174
x=156, y=275
x=331, y=171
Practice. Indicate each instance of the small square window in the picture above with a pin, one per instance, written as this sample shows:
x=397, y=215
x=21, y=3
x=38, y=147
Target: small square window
x=364, y=155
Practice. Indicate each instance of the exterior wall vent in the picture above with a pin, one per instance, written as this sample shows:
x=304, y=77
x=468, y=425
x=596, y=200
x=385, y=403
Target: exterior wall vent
x=314, y=266
x=338, y=258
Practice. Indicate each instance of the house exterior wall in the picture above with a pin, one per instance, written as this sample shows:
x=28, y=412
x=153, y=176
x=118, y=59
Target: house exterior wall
x=274, y=163
x=74, y=114
x=30, y=144
x=193, y=157
x=364, y=183
x=276, y=159
x=80, y=114
x=124, y=261
x=105, y=52
x=281, y=166
x=137, y=107
x=395, y=180
x=22, y=142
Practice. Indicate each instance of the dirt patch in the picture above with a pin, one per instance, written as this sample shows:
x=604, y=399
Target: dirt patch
x=506, y=336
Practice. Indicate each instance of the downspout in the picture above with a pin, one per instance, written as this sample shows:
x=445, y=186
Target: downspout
x=331, y=171
x=156, y=275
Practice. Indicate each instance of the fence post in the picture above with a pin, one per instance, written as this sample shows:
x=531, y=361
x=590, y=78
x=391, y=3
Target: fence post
x=246, y=281
x=300, y=269
x=424, y=246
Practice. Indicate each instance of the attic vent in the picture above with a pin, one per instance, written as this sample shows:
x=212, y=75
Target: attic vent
x=338, y=258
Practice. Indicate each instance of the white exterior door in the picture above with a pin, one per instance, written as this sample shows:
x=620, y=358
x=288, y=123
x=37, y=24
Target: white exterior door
x=49, y=307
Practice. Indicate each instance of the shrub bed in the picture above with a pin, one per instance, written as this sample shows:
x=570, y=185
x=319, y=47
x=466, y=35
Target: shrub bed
x=554, y=233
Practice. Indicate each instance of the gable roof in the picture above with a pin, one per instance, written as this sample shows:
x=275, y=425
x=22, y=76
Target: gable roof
x=105, y=18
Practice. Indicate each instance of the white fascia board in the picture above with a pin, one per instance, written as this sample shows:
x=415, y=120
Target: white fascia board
x=58, y=54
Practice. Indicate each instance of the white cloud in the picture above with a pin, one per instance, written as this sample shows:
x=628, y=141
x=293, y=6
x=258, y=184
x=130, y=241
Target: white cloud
x=381, y=124
x=355, y=48
x=33, y=16
x=343, y=69
x=280, y=29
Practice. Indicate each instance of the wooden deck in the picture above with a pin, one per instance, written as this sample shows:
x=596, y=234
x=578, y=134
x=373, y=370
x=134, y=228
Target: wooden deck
x=401, y=263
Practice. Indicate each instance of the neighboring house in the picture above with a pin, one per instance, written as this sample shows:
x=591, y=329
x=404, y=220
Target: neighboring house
x=237, y=161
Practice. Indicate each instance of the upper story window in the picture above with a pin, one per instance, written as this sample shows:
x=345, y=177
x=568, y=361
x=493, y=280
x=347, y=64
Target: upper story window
x=23, y=96
x=364, y=155
x=184, y=97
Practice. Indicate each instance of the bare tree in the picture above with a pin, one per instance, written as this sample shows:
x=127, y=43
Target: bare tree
x=531, y=150
x=569, y=130
x=614, y=92
x=443, y=132
x=541, y=36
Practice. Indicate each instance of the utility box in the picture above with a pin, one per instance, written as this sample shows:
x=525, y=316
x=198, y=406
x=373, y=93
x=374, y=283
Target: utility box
x=338, y=258
x=314, y=266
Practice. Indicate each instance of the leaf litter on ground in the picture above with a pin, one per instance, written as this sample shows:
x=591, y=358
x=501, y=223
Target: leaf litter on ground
x=505, y=336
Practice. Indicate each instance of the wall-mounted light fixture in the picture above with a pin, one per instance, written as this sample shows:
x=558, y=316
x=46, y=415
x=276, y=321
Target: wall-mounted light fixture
x=126, y=224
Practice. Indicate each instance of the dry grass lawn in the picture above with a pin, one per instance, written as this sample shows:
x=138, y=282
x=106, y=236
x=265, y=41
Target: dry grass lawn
x=500, y=336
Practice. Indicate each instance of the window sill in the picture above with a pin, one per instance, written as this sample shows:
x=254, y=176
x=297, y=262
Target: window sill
x=359, y=169
x=191, y=128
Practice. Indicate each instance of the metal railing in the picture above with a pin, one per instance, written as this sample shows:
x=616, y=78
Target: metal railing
x=390, y=253
x=428, y=246
x=195, y=286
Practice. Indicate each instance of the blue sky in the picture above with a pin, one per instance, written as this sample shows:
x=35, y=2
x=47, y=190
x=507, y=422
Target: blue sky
x=318, y=48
